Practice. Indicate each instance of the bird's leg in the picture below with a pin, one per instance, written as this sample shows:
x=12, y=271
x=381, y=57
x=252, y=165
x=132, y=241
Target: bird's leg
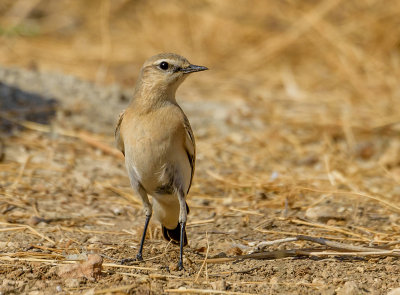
x=148, y=212
x=182, y=222
x=180, y=262
x=146, y=224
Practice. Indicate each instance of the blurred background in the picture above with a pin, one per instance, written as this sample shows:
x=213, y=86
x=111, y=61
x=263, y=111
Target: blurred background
x=345, y=49
x=301, y=107
x=343, y=54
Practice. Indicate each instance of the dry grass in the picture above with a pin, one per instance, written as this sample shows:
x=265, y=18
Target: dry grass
x=314, y=121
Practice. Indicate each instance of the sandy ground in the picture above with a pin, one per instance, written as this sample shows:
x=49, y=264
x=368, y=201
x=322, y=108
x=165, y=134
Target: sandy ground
x=65, y=194
x=297, y=131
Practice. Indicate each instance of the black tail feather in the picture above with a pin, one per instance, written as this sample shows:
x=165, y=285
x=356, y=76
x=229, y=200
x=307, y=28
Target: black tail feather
x=174, y=235
x=187, y=208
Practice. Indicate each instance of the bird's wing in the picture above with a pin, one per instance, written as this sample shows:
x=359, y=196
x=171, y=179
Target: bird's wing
x=190, y=148
x=118, y=136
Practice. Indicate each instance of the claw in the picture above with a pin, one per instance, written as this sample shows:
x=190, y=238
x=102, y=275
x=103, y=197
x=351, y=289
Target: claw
x=127, y=260
x=180, y=265
x=139, y=257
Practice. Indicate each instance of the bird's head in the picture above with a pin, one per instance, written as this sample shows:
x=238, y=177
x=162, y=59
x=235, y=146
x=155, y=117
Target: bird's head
x=166, y=71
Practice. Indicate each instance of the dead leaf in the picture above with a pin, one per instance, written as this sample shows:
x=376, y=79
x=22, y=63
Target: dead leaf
x=234, y=251
x=201, y=249
x=89, y=269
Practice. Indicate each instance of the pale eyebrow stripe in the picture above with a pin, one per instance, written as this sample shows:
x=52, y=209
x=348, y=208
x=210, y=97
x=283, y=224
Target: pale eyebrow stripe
x=158, y=61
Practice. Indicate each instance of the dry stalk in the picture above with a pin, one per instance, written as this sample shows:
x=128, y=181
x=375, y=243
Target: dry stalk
x=204, y=261
x=205, y=291
x=358, y=194
x=82, y=135
x=345, y=250
x=321, y=241
x=330, y=237
x=329, y=228
x=24, y=226
x=21, y=172
x=114, y=289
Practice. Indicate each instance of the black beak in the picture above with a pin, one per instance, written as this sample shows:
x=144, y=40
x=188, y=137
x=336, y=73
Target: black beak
x=192, y=69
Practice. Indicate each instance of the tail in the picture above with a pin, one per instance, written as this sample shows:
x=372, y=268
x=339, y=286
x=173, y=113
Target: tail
x=174, y=235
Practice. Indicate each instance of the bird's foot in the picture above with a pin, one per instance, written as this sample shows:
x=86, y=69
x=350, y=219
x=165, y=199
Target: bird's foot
x=139, y=257
x=128, y=260
x=180, y=265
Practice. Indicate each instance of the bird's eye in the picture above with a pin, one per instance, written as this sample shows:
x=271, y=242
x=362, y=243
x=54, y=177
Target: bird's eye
x=164, y=65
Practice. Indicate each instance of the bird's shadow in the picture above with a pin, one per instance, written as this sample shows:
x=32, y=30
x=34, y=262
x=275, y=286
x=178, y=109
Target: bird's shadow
x=18, y=105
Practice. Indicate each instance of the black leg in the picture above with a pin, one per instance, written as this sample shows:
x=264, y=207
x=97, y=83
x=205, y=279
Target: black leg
x=139, y=255
x=180, y=263
x=146, y=224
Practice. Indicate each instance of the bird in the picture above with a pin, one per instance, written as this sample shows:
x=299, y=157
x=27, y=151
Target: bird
x=158, y=144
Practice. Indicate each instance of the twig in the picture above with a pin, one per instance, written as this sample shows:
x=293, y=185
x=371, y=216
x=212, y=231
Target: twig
x=161, y=255
x=200, y=222
x=321, y=241
x=53, y=261
x=21, y=171
x=129, y=196
x=205, y=259
x=394, y=253
x=329, y=227
x=262, y=245
x=11, y=229
x=246, y=211
x=343, y=250
x=296, y=234
x=84, y=136
x=79, y=229
x=39, y=234
x=262, y=255
x=24, y=226
x=204, y=291
x=128, y=266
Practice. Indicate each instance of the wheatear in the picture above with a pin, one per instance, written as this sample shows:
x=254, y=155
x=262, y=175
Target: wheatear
x=155, y=136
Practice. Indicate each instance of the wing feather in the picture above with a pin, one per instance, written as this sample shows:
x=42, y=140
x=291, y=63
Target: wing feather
x=190, y=147
x=118, y=136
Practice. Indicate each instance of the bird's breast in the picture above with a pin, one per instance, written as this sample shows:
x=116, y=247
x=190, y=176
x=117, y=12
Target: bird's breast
x=157, y=157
